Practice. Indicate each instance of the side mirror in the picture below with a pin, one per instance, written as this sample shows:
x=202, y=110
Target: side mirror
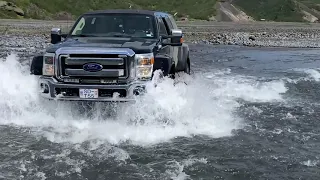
x=176, y=38
x=55, y=35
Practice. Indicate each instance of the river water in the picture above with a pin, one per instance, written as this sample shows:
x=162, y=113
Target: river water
x=245, y=113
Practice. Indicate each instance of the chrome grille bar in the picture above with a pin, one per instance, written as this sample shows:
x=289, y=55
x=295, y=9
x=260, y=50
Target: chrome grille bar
x=102, y=61
x=103, y=73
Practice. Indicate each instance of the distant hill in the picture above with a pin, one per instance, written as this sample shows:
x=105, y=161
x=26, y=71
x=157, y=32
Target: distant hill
x=215, y=10
x=280, y=10
x=61, y=9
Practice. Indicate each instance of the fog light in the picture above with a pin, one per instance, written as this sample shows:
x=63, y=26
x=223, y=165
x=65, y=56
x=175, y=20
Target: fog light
x=139, y=91
x=44, y=88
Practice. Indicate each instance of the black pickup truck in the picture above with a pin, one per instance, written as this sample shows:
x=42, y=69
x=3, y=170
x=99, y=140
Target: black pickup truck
x=109, y=55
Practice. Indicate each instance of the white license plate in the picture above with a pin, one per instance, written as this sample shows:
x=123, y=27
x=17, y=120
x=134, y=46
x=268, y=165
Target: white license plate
x=88, y=93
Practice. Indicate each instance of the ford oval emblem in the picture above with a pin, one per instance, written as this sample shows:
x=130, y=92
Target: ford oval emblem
x=92, y=67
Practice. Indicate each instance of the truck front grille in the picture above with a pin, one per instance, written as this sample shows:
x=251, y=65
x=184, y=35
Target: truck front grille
x=114, y=66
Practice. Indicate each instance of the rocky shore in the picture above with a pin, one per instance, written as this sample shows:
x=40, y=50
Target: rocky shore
x=296, y=40
x=31, y=37
x=295, y=35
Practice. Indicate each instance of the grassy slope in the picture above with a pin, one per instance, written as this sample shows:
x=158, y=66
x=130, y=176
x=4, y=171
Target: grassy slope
x=315, y=4
x=7, y=14
x=276, y=10
x=272, y=10
x=48, y=9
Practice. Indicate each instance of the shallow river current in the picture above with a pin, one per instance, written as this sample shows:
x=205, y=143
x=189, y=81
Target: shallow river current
x=246, y=113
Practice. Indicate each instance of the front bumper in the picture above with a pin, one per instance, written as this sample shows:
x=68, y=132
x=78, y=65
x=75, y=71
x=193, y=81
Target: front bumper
x=52, y=89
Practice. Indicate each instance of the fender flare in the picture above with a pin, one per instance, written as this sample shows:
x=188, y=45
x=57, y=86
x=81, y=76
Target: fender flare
x=36, y=65
x=163, y=63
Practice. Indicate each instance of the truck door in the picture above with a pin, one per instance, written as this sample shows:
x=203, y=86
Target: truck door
x=164, y=50
x=176, y=49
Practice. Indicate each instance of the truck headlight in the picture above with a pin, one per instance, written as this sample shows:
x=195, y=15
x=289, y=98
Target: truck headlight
x=144, y=66
x=48, y=64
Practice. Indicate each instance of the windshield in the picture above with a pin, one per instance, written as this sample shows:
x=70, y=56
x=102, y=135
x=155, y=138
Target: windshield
x=115, y=25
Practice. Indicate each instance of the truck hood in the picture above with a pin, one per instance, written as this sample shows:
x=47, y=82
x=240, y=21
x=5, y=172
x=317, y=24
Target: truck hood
x=137, y=45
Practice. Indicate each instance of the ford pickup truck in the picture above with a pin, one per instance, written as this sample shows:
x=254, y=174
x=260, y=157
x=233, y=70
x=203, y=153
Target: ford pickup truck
x=109, y=55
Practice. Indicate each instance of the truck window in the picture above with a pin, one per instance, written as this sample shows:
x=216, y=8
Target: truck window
x=166, y=26
x=169, y=23
x=110, y=25
x=80, y=25
x=173, y=22
x=163, y=30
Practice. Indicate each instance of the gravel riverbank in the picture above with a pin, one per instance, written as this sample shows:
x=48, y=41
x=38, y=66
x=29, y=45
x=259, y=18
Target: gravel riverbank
x=265, y=34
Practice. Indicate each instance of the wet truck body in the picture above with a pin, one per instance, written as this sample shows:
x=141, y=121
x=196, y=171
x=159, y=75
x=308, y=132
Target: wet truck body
x=109, y=55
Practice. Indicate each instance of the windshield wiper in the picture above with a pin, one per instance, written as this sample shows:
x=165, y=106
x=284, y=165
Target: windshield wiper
x=119, y=35
x=105, y=35
x=85, y=35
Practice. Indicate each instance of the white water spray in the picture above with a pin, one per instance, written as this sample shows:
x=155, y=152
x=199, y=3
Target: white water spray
x=203, y=107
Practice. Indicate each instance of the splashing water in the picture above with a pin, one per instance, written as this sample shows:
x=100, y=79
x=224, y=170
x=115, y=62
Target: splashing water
x=205, y=106
x=313, y=74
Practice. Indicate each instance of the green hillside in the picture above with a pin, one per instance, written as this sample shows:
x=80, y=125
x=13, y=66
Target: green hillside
x=54, y=9
x=270, y=10
x=275, y=10
x=315, y=4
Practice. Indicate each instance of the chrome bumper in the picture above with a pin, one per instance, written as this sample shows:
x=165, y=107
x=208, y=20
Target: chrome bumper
x=50, y=88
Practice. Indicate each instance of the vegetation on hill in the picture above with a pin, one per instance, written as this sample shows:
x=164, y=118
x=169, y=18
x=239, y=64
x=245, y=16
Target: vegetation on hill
x=270, y=10
x=314, y=4
x=56, y=9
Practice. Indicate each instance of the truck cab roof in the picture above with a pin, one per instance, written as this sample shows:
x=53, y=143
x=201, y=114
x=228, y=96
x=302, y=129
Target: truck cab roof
x=128, y=11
